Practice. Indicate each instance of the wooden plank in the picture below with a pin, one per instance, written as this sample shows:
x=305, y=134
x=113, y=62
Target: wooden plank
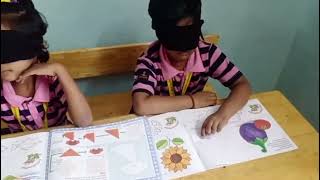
x=111, y=60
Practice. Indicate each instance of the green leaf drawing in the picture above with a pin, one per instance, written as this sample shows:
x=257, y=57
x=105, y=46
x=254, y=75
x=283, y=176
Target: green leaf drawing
x=162, y=144
x=177, y=141
x=10, y=178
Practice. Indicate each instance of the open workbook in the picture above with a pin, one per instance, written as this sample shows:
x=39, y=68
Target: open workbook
x=160, y=147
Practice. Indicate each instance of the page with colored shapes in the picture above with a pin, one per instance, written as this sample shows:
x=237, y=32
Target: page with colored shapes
x=24, y=157
x=176, y=153
x=251, y=133
x=116, y=151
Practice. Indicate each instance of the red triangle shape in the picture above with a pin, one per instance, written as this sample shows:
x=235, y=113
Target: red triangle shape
x=113, y=132
x=69, y=153
x=69, y=135
x=90, y=137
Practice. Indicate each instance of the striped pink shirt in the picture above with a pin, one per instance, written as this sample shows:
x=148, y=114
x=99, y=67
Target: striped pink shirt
x=154, y=69
x=47, y=89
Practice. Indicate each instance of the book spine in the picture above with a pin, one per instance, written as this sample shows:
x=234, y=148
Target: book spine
x=47, y=170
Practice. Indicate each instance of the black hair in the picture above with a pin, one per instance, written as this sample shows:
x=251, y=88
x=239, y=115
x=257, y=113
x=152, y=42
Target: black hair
x=22, y=16
x=169, y=12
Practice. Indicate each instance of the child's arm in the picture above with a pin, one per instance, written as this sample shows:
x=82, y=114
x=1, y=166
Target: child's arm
x=78, y=106
x=240, y=92
x=145, y=104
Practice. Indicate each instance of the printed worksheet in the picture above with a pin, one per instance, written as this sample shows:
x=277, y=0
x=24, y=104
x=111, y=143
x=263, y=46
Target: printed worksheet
x=123, y=150
x=24, y=157
x=250, y=134
x=165, y=146
x=115, y=151
x=175, y=150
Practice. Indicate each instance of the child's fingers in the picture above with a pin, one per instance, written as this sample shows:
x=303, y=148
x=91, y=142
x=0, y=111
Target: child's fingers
x=208, y=126
x=203, y=132
x=220, y=126
x=214, y=127
x=203, y=128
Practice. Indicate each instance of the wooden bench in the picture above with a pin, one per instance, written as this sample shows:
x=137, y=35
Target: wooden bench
x=112, y=60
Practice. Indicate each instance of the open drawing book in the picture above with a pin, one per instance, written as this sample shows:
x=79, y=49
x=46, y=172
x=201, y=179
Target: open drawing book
x=252, y=133
x=116, y=151
x=160, y=147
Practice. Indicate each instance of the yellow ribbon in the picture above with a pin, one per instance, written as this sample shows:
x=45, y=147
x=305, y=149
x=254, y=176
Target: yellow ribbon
x=185, y=85
x=16, y=114
x=6, y=1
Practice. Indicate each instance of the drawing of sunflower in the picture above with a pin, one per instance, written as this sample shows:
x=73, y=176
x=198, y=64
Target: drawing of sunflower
x=176, y=159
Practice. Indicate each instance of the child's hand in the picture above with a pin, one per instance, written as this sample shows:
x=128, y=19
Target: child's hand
x=39, y=69
x=204, y=99
x=214, y=123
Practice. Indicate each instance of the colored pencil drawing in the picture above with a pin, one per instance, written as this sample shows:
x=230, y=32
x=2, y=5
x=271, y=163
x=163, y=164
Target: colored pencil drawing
x=171, y=122
x=255, y=108
x=164, y=142
x=70, y=153
x=96, y=151
x=176, y=159
x=10, y=177
x=90, y=136
x=69, y=135
x=32, y=160
x=72, y=142
x=113, y=132
x=254, y=133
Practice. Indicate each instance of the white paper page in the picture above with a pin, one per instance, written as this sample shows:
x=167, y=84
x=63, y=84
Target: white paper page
x=116, y=151
x=177, y=156
x=230, y=146
x=24, y=157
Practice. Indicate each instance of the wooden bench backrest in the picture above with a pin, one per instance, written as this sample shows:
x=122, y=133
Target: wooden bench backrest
x=112, y=60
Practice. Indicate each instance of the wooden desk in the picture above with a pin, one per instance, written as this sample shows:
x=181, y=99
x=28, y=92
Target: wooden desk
x=301, y=164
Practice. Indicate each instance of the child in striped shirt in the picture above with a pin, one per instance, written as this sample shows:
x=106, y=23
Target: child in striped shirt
x=34, y=94
x=172, y=73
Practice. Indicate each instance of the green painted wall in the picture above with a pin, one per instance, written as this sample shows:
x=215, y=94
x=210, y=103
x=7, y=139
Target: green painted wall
x=258, y=35
x=299, y=79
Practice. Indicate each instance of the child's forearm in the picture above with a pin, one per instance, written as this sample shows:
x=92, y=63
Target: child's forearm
x=149, y=105
x=238, y=97
x=78, y=106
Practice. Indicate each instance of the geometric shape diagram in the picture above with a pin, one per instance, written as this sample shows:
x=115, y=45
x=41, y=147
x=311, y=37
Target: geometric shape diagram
x=70, y=153
x=90, y=137
x=113, y=132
